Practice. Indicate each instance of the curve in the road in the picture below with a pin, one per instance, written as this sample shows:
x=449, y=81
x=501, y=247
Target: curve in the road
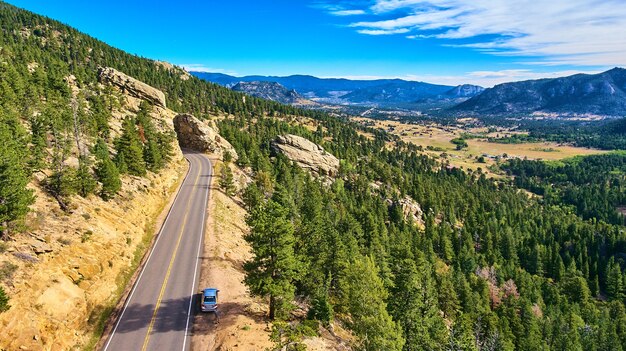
x=158, y=309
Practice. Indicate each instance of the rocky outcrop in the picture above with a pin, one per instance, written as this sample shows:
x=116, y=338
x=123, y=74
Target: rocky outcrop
x=411, y=210
x=306, y=154
x=131, y=86
x=197, y=135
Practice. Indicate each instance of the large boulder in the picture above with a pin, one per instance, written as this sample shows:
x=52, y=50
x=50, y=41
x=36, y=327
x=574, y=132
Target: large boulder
x=197, y=135
x=131, y=86
x=306, y=154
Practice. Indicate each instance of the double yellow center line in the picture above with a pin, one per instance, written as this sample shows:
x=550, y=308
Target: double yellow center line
x=169, y=268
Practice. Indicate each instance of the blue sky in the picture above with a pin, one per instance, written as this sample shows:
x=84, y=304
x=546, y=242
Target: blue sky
x=440, y=41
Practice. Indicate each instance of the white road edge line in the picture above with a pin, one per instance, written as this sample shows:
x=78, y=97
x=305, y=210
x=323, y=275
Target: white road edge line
x=193, y=286
x=119, y=319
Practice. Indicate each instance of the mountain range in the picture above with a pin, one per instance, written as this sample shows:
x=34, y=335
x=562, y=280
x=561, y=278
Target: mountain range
x=387, y=93
x=601, y=94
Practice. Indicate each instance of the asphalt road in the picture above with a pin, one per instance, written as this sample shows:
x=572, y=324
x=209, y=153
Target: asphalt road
x=158, y=312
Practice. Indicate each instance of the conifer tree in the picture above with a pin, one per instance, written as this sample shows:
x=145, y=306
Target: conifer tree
x=109, y=176
x=271, y=271
x=227, y=182
x=14, y=196
x=106, y=171
x=614, y=281
x=243, y=160
x=39, y=144
x=100, y=149
x=414, y=307
x=4, y=300
x=85, y=182
x=152, y=155
x=129, y=151
x=364, y=294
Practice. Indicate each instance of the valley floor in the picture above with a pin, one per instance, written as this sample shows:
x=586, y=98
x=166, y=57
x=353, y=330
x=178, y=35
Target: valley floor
x=436, y=140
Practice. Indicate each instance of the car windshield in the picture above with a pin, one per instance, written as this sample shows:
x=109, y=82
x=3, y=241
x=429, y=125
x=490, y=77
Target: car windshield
x=209, y=299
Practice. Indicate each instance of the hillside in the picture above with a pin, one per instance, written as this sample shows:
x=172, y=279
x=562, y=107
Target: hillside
x=597, y=94
x=386, y=249
x=269, y=91
x=380, y=92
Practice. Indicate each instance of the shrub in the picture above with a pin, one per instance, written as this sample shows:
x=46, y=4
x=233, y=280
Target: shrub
x=4, y=301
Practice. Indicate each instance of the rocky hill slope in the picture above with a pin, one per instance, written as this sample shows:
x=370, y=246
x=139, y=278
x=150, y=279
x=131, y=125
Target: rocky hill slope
x=269, y=91
x=71, y=264
x=598, y=94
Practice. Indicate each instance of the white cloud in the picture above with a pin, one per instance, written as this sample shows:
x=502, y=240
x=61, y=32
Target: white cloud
x=347, y=12
x=573, y=32
x=383, y=31
x=199, y=67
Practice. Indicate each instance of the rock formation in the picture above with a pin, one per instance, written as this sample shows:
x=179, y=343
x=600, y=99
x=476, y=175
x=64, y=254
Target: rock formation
x=306, y=154
x=197, y=135
x=131, y=86
x=411, y=210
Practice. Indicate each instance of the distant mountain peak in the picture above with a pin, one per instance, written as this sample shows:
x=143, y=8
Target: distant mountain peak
x=389, y=93
x=598, y=94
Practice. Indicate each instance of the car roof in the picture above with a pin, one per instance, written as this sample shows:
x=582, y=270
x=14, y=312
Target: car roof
x=210, y=292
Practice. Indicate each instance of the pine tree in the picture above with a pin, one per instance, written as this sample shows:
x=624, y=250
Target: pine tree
x=106, y=171
x=14, y=196
x=614, y=281
x=4, y=301
x=152, y=155
x=129, y=151
x=100, y=150
x=243, y=160
x=37, y=160
x=271, y=271
x=364, y=294
x=227, y=180
x=109, y=176
x=227, y=157
x=414, y=307
x=85, y=182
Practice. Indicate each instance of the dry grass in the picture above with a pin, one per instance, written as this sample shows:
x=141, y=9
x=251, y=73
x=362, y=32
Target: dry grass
x=438, y=138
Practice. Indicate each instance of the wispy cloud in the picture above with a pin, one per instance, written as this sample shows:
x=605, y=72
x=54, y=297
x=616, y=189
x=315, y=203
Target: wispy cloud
x=199, y=67
x=383, y=31
x=559, y=32
x=347, y=12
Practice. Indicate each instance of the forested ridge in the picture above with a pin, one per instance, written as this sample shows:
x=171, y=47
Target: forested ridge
x=594, y=185
x=490, y=269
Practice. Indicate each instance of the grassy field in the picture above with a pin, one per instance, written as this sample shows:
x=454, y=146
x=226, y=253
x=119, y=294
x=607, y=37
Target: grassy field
x=436, y=140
